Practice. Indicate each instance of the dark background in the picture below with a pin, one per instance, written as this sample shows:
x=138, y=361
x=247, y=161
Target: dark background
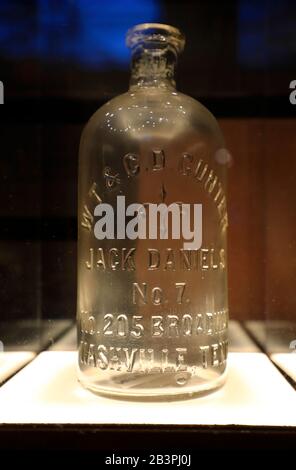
x=61, y=60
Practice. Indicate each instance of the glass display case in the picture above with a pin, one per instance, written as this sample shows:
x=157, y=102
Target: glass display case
x=60, y=62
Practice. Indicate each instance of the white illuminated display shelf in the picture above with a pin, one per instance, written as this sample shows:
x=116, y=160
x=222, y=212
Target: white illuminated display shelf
x=47, y=391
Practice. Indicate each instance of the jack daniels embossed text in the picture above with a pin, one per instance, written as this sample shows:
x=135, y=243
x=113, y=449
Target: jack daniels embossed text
x=152, y=304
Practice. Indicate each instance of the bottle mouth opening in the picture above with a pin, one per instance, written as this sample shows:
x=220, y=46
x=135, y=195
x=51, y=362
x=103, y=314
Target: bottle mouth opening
x=155, y=33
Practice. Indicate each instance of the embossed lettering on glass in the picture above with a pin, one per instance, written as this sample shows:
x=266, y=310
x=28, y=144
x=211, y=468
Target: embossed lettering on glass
x=152, y=265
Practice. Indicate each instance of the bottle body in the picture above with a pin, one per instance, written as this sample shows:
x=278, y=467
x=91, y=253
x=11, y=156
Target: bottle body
x=152, y=311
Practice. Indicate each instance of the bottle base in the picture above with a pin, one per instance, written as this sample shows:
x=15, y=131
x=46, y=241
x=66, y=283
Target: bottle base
x=160, y=393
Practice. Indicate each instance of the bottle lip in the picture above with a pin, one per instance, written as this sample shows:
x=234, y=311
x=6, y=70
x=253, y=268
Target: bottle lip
x=158, y=33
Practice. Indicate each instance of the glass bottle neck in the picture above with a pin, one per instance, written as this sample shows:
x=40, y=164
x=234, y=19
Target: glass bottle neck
x=153, y=68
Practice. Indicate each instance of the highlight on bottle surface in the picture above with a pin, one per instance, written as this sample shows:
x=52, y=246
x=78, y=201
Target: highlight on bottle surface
x=152, y=308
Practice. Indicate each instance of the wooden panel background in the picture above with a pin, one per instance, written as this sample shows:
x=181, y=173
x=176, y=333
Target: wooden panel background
x=262, y=218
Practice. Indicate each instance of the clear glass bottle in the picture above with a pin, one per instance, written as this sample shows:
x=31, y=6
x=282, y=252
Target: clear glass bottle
x=152, y=314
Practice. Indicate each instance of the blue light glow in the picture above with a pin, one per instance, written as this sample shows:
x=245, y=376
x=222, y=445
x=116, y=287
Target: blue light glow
x=266, y=33
x=89, y=32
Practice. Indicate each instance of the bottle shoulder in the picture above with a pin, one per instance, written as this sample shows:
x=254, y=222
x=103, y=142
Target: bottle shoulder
x=149, y=110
